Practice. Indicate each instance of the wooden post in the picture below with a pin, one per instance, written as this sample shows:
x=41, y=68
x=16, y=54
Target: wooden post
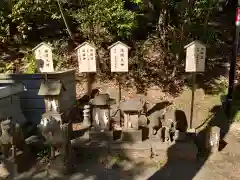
x=119, y=91
x=89, y=84
x=193, y=97
x=119, y=64
x=118, y=115
x=195, y=62
x=86, y=53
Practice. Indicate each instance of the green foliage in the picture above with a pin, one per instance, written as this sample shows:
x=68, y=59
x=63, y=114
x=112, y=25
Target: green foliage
x=30, y=60
x=6, y=67
x=156, y=30
x=4, y=28
x=237, y=117
x=102, y=21
x=43, y=155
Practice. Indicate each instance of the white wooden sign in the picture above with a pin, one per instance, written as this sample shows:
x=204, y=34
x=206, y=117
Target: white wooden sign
x=119, y=57
x=43, y=55
x=86, y=54
x=195, y=57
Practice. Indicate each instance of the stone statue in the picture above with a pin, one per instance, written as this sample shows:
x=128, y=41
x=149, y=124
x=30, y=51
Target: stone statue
x=155, y=118
x=11, y=138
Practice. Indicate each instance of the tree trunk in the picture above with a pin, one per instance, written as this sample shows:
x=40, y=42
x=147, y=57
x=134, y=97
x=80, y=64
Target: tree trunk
x=163, y=23
x=206, y=19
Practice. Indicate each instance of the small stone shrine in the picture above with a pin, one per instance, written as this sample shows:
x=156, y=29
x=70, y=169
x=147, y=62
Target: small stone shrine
x=101, y=111
x=101, y=120
x=52, y=90
x=137, y=120
x=55, y=128
x=131, y=112
x=212, y=139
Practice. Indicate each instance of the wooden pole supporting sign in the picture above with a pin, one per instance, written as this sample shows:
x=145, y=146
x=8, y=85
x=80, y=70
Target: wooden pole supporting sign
x=195, y=62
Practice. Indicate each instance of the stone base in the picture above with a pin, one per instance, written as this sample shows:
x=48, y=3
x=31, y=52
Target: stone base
x=145, y=149
x=80, y=130
x=24, y=161
x=100, y=135
x=132, y=135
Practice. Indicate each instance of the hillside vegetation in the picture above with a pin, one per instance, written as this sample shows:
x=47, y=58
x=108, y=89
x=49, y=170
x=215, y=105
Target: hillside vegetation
x=157, y=32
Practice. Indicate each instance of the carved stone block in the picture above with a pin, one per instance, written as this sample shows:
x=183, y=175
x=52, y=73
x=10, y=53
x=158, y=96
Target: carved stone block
x=213, y=139
x=131, y=135
x=131, y=120
x=95, y=134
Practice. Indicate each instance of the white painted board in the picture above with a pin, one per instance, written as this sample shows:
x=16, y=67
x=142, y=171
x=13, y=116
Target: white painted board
x=119, y=58
x=195, y=58
x=86, y=58
x=44, y=60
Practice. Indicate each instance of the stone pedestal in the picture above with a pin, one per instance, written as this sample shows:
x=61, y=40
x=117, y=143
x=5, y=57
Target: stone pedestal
x=213, y=139
x=131, y=135
x=96, y=134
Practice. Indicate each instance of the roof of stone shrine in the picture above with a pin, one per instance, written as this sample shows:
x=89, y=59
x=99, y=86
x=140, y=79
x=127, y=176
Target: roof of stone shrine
x=50, y=88
x=194, y=42
x=119, y=42
x=85, y=43
x=102, y=100
x=42, y=44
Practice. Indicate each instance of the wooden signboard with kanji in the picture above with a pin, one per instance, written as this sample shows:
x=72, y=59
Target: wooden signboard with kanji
x=119, y=57
x=195, y=57
x=43, y=55
x=86, y=54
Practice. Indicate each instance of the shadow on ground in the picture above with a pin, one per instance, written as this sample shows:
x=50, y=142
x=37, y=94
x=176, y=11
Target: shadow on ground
x=187, y=170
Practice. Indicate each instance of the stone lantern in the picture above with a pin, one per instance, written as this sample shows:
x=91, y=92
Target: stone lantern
x=101, y=121
x=101, y=111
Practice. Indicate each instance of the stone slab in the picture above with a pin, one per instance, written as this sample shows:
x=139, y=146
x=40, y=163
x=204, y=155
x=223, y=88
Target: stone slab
x=146, y=149
x=132, y=135
x=98, y=135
